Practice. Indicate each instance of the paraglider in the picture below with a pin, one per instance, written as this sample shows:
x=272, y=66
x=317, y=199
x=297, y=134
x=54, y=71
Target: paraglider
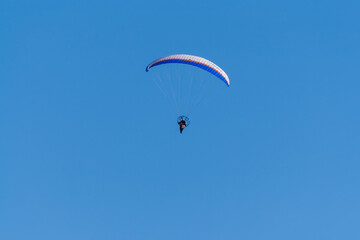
x=183, y=122
x=199, y=62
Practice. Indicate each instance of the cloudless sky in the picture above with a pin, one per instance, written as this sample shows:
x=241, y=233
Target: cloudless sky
x=90, y=148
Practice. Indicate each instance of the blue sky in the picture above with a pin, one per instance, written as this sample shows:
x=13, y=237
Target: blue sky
x=89, y=147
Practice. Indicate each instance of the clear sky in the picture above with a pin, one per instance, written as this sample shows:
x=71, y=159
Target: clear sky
x=90, y=149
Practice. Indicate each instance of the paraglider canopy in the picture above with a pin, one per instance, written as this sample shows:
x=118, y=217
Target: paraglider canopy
x=195, y=61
